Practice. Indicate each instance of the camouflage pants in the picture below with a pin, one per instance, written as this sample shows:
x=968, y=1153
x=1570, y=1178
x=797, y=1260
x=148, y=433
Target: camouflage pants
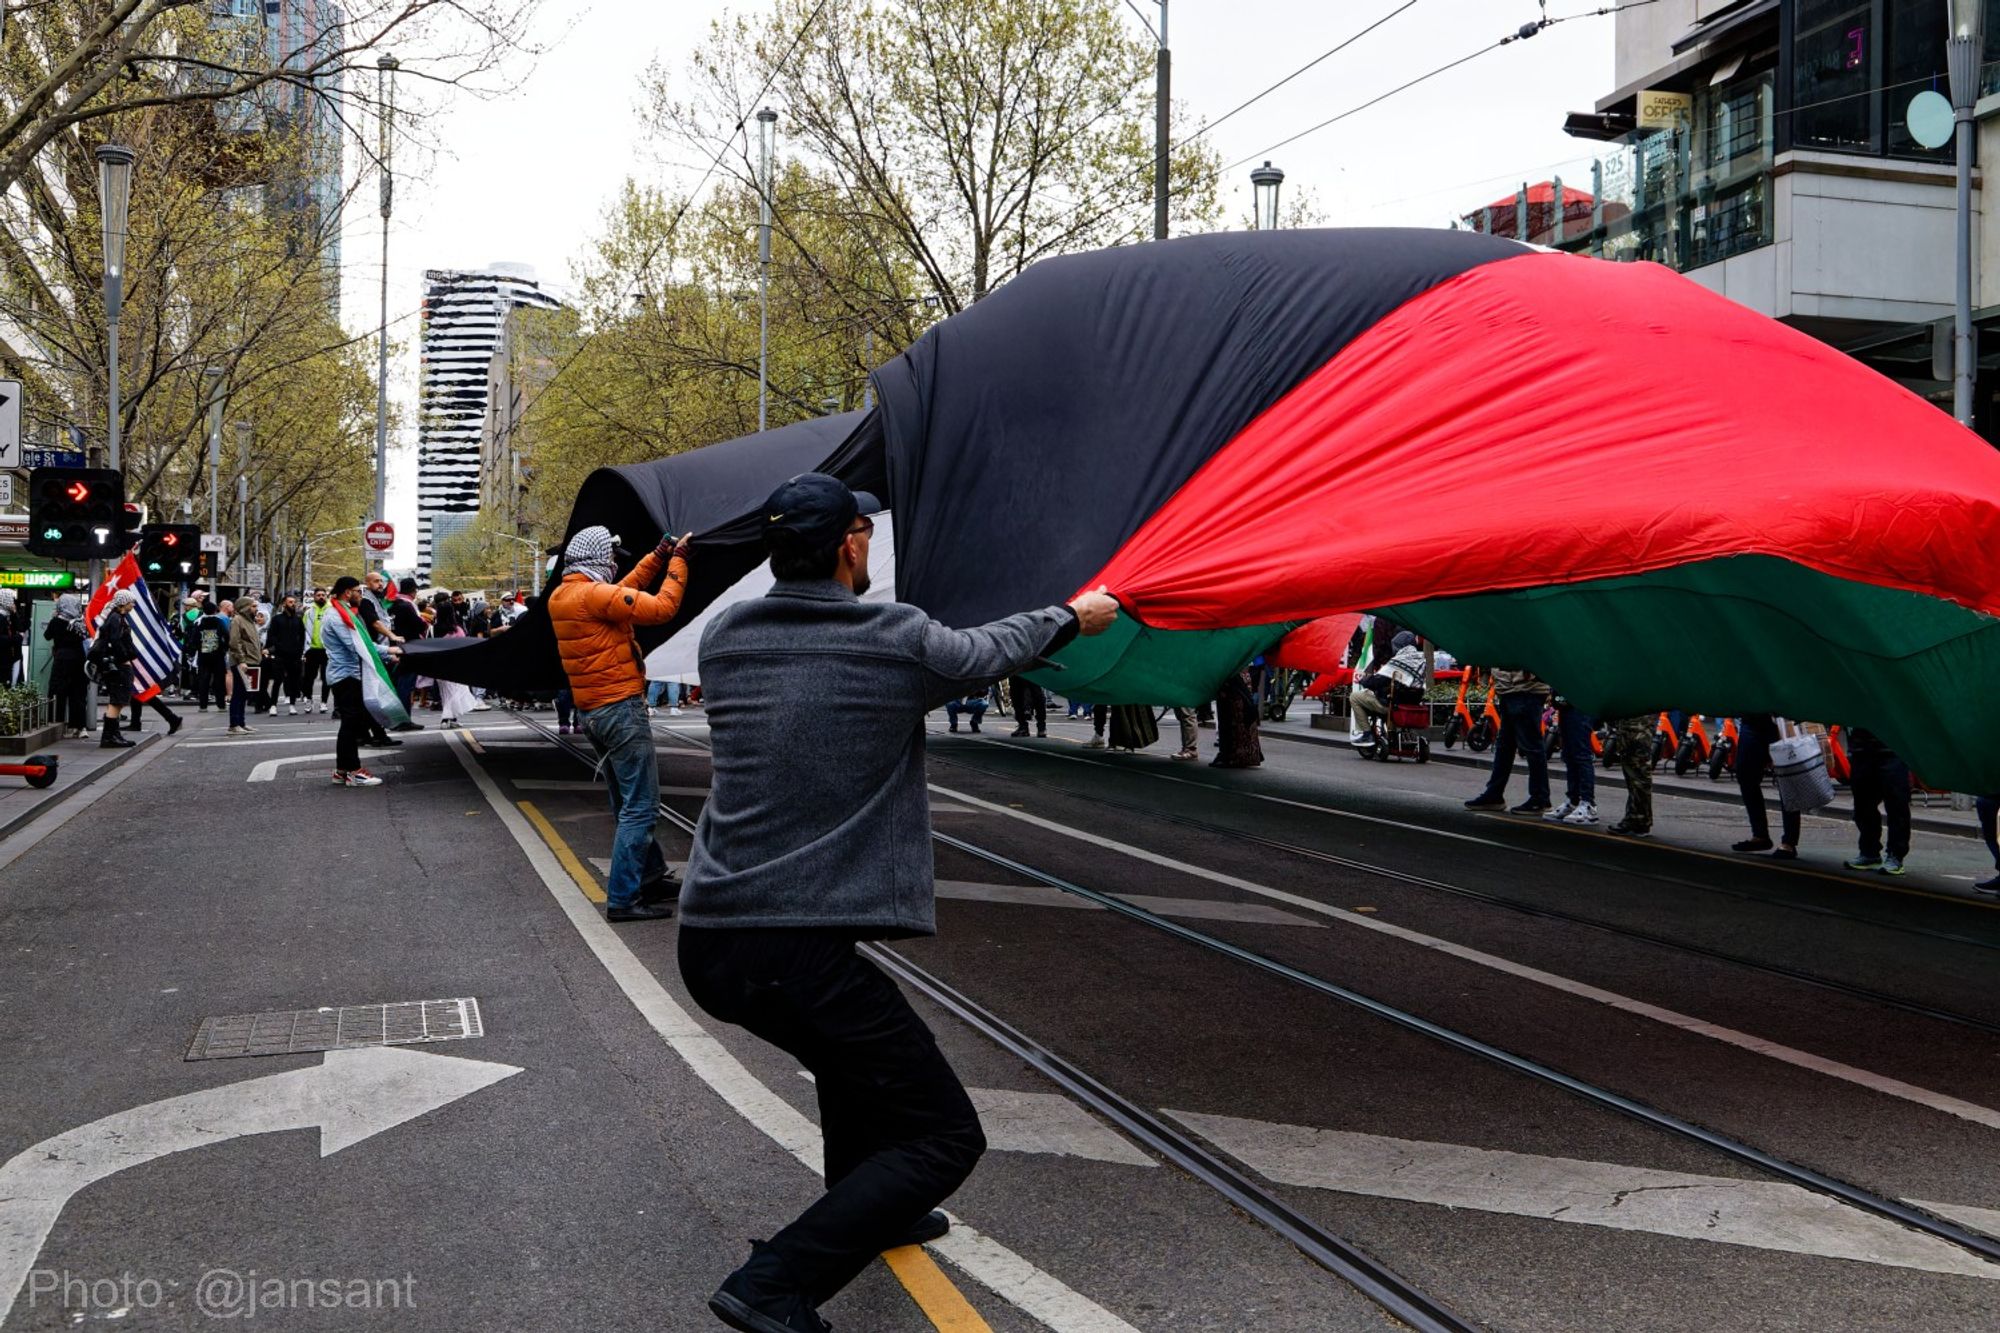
x=1635, y=757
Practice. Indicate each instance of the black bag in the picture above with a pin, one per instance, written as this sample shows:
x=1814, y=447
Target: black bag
x=1133, y=727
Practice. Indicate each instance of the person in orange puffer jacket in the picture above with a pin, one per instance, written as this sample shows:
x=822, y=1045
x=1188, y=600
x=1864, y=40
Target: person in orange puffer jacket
x=593, y=619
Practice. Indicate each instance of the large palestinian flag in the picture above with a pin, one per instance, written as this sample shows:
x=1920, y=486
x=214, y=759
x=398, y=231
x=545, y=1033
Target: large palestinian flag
x=1645, y=492
x=1604, y=472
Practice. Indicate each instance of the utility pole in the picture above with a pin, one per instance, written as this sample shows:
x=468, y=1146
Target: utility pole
x=1162, y=115
x=213, y=378
x=386, y=88
x=1962, y=49
x=767, y=121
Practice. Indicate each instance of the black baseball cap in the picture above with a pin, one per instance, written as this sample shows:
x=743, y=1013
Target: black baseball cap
x=813, y=511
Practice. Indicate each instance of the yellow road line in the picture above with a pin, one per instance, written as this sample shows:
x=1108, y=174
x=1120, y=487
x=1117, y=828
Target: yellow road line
x=577, y=870
x=942, y=1302
x=472, y=740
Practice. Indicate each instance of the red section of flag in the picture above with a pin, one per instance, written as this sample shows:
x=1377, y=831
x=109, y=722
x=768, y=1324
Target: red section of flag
x=1551, y=419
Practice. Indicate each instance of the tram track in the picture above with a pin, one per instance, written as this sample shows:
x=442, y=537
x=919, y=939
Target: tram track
x=1559, y=857
x=1391, y=873
x=1374, y=1279
x=1857, y=1196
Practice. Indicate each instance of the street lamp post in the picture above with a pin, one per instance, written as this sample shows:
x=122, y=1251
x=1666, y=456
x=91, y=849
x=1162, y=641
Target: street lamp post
x=1264, y=183
x=114, y=189
x=767, y=121
x=1162, y=115
x=243, y=437
x=386, y=125
x=114, y=192
x=1962, y=56
x=212, y=380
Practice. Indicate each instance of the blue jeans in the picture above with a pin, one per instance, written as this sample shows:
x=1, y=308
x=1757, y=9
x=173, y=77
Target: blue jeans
x=656, y=690
x=239, y=695
x=625, y=739
x=1520, y=729
x=1579, y=763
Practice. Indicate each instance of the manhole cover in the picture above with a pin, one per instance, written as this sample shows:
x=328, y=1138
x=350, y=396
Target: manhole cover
x=292, y=1032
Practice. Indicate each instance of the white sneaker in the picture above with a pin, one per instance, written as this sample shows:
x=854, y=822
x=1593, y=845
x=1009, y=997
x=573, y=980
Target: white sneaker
x=292, y=709
x=361, y=777
x=237, y=731
x=652, y=711
x=673, y=712
x=1561, y=813
x=482, y=708
x=1585, y=813
x=323, y=706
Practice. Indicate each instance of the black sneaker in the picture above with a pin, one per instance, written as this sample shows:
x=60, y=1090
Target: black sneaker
x=1751, y=845
x=1529, y=808
x=1989, y=887
x=666, y=891
x=1486, y=802
x=640, y=910
x=1625, y=828
x=408, y=726
x=760, y=1298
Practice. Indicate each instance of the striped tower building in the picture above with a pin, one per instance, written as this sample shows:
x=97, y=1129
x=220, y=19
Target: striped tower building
x=464, y=318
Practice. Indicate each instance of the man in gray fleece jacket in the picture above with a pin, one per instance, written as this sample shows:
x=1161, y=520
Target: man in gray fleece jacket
x=816, y=835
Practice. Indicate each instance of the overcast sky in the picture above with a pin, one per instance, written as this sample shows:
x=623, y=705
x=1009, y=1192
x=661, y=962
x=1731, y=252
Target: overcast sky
x=525, y=177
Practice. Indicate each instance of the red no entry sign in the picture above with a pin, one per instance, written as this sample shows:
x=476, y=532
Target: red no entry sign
x=380, y=536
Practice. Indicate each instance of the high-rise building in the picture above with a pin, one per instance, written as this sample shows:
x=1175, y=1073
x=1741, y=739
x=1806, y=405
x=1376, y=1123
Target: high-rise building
x=464, y=322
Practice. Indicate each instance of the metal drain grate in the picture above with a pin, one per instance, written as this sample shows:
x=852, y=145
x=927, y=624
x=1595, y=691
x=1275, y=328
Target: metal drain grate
x=336, y=1029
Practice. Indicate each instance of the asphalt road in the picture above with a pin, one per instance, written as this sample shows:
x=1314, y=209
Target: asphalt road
x=599, y=1156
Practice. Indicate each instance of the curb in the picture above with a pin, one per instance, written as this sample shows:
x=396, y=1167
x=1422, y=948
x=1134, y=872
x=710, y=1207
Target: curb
x=1721, y=795
x=59, y=792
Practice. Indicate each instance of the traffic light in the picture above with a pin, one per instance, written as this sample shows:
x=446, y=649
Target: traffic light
x=76, y=513
x=170, y=553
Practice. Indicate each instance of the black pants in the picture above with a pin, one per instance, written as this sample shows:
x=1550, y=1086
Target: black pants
x=70, y=688
x=208, y=676
x=315, y=670
x=354, y=723
x=900, y=1133
x=1878, y=780
x=157, y=704
x=1029, y=703
x=1753, y=760
x=280, y=671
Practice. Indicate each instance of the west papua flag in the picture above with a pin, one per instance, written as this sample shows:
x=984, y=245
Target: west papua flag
x=157, y=654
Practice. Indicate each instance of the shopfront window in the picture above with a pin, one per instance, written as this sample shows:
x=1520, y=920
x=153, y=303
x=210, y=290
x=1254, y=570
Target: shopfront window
x=1834, y=64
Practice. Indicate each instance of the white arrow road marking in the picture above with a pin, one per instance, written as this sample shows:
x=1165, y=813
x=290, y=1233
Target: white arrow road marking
x=1034, y=1292
x=1199, y=909
x=349, y=1097
x=1763, y=1214
x=1890, y=1087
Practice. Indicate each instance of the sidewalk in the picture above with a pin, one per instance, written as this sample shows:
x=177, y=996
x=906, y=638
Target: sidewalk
x=82, y=762
x=1940, y=818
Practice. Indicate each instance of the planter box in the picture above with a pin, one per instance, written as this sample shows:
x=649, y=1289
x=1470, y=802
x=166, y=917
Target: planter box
x=32, y=741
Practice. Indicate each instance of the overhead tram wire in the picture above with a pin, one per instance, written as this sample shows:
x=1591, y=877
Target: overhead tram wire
x=1522, y=33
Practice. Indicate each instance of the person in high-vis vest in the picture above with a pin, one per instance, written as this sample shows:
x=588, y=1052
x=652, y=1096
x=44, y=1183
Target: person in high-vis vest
x=315, y=669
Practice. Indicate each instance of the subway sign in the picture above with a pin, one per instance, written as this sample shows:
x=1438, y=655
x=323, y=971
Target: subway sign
x=49, y=580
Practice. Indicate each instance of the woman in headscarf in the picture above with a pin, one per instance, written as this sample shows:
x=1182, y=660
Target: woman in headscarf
x=69, y=687
x=11, y=623
x=114, y=653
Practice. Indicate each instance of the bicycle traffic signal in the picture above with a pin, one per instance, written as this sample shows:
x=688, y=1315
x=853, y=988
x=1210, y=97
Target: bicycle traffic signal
x=76, y=513
x=170, y=552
